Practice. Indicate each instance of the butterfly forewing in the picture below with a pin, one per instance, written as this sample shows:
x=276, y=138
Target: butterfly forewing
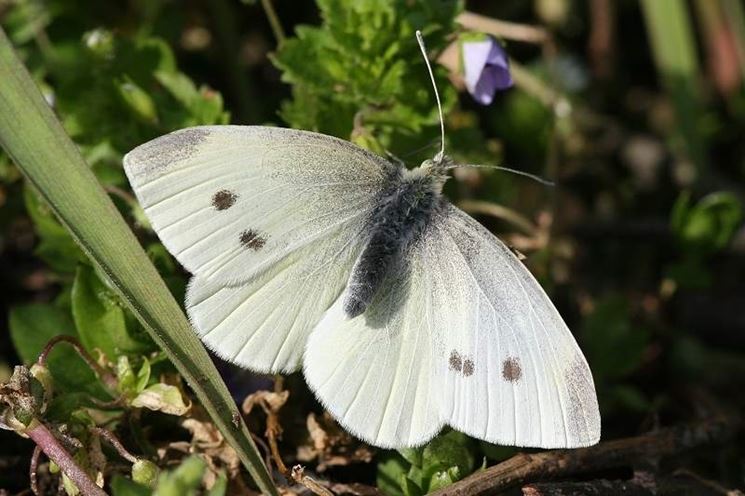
x=231, y=201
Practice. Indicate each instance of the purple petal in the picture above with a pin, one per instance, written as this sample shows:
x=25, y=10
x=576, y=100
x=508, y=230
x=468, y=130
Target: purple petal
x=486, y=69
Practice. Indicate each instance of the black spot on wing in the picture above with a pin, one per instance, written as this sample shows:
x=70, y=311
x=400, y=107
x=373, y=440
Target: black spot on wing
x=511, y=370
x=455, y=361
x=468, y=367
x=252, y=239
x=459, y=363
x=224, y=199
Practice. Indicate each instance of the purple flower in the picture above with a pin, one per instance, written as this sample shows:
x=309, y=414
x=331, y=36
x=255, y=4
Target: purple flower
x=486, y=68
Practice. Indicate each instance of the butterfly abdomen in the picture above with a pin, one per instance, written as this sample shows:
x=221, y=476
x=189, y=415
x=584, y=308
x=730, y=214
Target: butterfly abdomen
x=398, y=221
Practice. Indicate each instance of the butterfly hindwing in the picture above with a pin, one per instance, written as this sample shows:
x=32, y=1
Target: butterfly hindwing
x=263, y=324
x=374, y=372
x=230, y=201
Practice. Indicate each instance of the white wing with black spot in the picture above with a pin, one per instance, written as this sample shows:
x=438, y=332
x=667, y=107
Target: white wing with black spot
x=269, y=221
x=511, y=371
x=231, y=201
x=462, y=335
x=264, y=323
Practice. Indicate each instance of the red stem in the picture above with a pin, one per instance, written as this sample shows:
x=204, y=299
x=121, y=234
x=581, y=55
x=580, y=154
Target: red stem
x=109, y=380
x=54, y=450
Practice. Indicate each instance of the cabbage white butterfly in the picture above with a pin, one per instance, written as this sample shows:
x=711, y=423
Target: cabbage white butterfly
x=404, y=313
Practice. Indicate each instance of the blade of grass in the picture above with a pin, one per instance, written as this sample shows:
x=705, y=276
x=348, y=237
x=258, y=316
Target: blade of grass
x=35, y=140
x=673, y=46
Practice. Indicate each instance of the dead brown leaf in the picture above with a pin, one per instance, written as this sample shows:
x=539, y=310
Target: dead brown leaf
x=330, y=445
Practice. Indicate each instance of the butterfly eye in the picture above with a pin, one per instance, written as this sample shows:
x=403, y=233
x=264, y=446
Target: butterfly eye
x=252, y=239
x=511, y=370
x=224, y=199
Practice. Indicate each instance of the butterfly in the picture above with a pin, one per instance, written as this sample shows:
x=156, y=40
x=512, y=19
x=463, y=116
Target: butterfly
x=403, y=312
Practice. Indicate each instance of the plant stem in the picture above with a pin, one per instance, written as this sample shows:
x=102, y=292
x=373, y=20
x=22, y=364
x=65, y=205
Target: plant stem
x=271, y=15
x=106, y=377
x=32, y=469
x=504, y=29
x=49, y=444
x=115, y=443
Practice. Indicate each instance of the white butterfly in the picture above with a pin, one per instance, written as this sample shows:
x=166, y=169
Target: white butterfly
x=404, y=313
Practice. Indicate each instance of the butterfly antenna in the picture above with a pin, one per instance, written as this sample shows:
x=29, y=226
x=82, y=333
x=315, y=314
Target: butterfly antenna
x=441, y=153
x=539, y=179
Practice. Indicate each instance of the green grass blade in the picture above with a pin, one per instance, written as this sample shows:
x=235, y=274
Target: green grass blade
x=35, y=140
x=673, y=46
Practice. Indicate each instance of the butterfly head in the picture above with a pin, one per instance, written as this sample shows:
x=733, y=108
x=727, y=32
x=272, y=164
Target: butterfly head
x=437, y=168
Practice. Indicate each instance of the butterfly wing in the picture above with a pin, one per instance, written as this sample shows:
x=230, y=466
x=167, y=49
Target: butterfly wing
x=263, y=324
x=268, y=220
x=462, y=335
x=230, y=201
x=510, y=368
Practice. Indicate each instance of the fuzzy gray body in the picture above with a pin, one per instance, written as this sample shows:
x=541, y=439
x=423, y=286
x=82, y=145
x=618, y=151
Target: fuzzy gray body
x=398, y=221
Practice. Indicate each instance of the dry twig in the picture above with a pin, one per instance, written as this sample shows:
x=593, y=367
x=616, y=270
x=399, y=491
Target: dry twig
x=271, y=403
x=611, y=454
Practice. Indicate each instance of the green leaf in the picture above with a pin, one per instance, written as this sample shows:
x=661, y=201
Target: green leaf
x=56, y=247
x=410, y=488
x=220, y=488
x=391, y=468
x=125, y=374
x=363, y=66
x=102, y=320
x=143, y=376
x=710, y=224
x=453, y=449
x=31, y=328
x=162, y=398
x=123, y=486
x=412, y=455
x=137, y=101
x=443, y=479
x=183, y=480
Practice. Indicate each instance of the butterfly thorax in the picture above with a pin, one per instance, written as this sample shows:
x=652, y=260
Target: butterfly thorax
x=394, y=226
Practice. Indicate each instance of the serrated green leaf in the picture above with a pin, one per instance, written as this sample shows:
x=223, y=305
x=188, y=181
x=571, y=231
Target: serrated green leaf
x=440, y=480
x=453, y=449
